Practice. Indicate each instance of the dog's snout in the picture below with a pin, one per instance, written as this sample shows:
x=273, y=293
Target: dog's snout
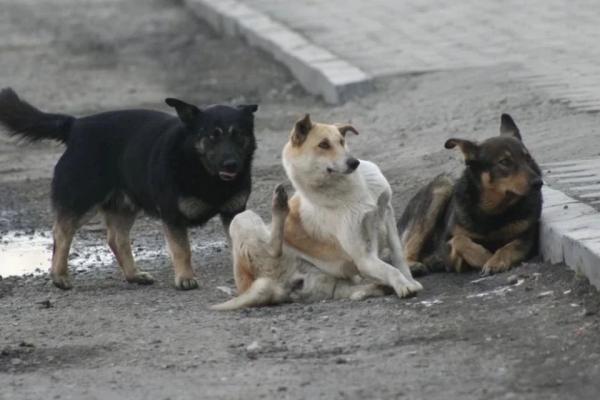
x=230, y=165
x=352, y=163
x=536, y=183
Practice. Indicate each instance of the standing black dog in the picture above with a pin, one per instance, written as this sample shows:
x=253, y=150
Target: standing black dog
x=182, y=170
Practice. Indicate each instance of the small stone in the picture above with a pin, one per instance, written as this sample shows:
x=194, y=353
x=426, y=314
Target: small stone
x=253, y=347
x=341, y=360
x=512, y=279
x=16, y=361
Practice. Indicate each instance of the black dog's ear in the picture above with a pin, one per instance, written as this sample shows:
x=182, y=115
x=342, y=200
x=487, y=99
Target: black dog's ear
x=251, y=108
x=508, y=127
x=301, y=130
x=188, y=113
x=345, y=128
x=468, y=148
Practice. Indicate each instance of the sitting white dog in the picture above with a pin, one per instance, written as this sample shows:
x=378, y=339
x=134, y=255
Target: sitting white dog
x=340, y=220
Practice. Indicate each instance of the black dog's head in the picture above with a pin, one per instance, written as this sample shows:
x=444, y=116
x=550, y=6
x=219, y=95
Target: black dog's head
x=222, y=136
x=503, y=169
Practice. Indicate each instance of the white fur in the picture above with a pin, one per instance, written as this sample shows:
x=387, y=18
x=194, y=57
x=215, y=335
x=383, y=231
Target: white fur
x=356, y=210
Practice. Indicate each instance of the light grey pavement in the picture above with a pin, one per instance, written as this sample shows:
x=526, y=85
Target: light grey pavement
x=554, y=42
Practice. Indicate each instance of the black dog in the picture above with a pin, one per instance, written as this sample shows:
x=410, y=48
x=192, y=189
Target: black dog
x=182, y=170
x=488, y=219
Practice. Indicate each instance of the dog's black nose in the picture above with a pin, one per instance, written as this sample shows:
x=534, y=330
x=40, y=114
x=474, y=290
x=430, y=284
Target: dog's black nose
x=536, y=183
x=230, y=165
x=352, y=163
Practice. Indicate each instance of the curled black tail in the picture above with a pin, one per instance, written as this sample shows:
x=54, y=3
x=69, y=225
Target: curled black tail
x=23, y=119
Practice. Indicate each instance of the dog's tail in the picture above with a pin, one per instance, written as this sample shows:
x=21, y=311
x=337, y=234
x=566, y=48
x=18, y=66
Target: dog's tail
x=262, y=292
x=23, y=119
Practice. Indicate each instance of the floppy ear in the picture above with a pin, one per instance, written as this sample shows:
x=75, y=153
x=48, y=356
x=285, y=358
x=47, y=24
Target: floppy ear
x=301, y=130
x=251, y=108
x=468, y=148
x=345, y=128
x=508, y=127
x=188, y=113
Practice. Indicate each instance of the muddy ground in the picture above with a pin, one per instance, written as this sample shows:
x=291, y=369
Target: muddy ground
x=461, y=338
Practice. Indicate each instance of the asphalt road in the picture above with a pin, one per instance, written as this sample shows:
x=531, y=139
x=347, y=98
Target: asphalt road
x=461, y=338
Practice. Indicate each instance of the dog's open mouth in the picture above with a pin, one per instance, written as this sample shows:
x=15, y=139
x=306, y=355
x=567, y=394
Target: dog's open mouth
x=227, y=176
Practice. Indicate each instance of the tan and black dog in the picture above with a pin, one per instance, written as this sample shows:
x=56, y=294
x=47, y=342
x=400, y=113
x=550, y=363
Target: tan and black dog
x=487, y=219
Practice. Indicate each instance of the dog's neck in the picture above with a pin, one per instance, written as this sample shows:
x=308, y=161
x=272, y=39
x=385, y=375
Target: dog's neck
x=332, y=191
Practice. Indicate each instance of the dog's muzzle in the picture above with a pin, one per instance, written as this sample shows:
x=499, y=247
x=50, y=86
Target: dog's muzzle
x=229, y=170
x=352, y=164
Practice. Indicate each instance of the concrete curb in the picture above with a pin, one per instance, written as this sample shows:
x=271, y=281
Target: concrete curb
x=317, y=69
x=570, y=234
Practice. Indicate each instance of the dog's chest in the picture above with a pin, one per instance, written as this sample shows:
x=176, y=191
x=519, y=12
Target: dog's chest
x=194, y=208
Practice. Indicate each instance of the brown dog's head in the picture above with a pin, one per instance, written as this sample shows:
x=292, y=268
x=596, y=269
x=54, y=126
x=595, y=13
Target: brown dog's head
x=501, y=167
x=318, y=151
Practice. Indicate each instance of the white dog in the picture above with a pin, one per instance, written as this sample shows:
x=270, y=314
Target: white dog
x=340, y=220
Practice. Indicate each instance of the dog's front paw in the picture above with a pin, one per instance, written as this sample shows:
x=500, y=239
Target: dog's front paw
x=141, y=278
x=418, y=269
x=404, y=289
x=415, y=286
x=185, y=283
x=61, y=281
x=496, y=264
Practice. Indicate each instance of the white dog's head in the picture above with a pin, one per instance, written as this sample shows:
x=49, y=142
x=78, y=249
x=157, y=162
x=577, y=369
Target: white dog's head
x=317, y=152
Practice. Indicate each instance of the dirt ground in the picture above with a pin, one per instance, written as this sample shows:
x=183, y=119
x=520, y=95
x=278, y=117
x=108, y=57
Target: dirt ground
x=462, y=338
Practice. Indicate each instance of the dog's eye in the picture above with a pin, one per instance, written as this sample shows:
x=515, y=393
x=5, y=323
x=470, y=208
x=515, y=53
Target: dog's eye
x=324, y=145
x=505, y=162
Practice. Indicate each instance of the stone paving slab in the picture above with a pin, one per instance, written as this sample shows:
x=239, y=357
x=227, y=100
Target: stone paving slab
x=570, y=234
x=579, y=178
x=316, y=68
x=553, y=42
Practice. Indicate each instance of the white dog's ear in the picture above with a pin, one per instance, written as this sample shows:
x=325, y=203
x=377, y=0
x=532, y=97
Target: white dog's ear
x=345, y=128
x=301, y=130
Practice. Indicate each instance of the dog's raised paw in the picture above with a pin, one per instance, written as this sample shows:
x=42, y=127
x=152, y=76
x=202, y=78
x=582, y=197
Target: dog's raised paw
x=141, y=278
x=62, y=281
x=280, y=198
x=186, y=283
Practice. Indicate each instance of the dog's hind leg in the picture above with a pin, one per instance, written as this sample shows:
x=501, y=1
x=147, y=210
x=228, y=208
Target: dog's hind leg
x=181, y=256
x=62, y=233
x=280, y=211
x=430, y=207
x=118, y=225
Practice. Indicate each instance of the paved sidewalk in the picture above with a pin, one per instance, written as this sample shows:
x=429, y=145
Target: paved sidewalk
x=553, y=42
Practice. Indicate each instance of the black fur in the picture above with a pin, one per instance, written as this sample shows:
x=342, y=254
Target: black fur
x=462, y=204
x=149, y=157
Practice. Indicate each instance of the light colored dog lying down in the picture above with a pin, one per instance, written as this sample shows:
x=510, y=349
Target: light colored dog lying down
x=265, y=274
x=340, y=220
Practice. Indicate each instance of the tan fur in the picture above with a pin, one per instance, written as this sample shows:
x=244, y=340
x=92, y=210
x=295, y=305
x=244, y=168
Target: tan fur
x=181, y=255
x=418, y=234
x=463, y=249
x=318, y=133
x=495, y=195
x=62, y=232
x=505, y=257
x=296, y=236
x=243, y=272
x=118, y=226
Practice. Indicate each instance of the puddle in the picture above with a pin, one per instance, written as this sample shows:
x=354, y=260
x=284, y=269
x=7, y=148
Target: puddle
x=24, y=253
